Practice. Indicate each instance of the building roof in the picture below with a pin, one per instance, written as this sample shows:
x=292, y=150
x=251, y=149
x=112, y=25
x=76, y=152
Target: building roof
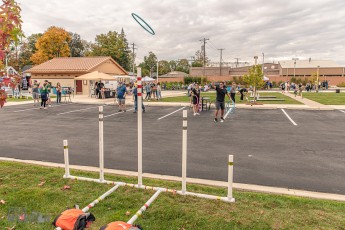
x=71, y=65
x=175, y=74
x=309, y=64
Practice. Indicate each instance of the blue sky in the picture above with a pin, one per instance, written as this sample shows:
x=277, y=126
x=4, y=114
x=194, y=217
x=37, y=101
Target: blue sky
x=281, y=29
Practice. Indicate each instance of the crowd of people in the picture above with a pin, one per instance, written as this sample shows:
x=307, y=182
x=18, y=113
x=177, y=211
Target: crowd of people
x=43, y=92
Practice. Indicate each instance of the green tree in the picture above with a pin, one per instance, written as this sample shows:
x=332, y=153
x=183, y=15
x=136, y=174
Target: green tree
x=27, y=49
x=164, y=67
x=150, y=63
x=173, y=65
x=183, y=65
x=76, y=45
x=199, y=59
x=114, y=45
x=255, y=78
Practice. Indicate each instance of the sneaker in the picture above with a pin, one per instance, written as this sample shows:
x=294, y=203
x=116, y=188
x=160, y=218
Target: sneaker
x=194, y=114
x=135, y=112
x=215, y=120
x=45, y=107
x=124, y=110
x=221, y=119
x=41, y=107
x=197, y=113
x=50, y=105
x=144, y=111
x=120, y=110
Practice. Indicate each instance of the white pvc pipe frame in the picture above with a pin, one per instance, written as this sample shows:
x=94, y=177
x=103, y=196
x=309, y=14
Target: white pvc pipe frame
x=184, y=191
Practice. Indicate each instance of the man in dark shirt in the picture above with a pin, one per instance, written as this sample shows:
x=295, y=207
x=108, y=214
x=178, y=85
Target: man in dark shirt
x=242, y=92
x=220, y=104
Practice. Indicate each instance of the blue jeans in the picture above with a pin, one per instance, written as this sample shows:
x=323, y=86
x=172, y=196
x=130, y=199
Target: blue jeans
x=136, y=104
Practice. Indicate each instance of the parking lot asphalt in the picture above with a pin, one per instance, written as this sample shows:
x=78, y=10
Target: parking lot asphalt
x=268, y=148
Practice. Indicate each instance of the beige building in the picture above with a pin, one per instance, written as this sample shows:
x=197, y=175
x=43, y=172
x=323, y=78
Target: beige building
x=65, y=70
x=307, y=68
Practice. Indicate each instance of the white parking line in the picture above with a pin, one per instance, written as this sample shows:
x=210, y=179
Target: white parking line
x=38, y=107
x=171, y=113
x=78, y=110
x=342, y=111
x=117, y=113
x=294, y=123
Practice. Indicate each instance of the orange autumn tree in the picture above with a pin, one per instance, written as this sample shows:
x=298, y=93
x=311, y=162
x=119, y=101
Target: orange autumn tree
x=53, y=43
x=10, y=31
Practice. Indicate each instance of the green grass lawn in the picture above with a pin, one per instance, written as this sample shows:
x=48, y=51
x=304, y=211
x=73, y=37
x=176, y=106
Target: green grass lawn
x=326, y=98
x=18, y=99
x=212, y=95
x=19, y=188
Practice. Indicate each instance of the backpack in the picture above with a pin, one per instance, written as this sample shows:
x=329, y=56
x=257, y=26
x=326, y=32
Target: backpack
x=119, y=225
x=73, y=219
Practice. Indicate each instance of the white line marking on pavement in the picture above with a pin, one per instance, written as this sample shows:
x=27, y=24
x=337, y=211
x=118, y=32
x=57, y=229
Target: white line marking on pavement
x=294, y=123
x=117, y=113
x=342, y=111
x=38, y=107
x=171, y=113
x=79, y=110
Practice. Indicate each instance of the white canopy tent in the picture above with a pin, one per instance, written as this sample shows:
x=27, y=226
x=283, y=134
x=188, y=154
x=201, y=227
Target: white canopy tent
x=147, y=79
x=266, y=78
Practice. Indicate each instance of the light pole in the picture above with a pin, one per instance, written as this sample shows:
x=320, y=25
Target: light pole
x=157, y=69
x=263, y=63
x=317, y=79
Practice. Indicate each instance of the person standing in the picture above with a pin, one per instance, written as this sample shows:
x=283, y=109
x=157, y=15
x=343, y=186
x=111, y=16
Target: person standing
x=159, y=91
x=121, y=96
x=58, y=93
x=195, y=93
x=35, y=92
x=135, y=94
x=148, y=91
x=49, y=87
x=221, y=92
x=154, y=91
x=44, y=95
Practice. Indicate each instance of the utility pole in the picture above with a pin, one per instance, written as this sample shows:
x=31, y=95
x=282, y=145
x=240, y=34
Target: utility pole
x=263, y=63
x=220, y=63
x=133, y=47
x=237, y=61
x=204, y=40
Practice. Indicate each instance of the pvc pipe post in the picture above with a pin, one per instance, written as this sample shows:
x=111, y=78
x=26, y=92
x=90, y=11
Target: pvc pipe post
x=140, y=128
x=230, y=175
x=184, y=152
x=65, y=152
x=144, y=208
x=99, y=199
x=101, y=145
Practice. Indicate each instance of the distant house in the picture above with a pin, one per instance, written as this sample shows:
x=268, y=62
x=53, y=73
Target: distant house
x=64, y=70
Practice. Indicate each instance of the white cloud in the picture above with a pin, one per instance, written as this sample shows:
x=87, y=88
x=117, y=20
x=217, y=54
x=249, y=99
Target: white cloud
x=310, y=28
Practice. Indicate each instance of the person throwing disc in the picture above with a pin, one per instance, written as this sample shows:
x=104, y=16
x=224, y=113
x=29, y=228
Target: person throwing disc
x=220, y=104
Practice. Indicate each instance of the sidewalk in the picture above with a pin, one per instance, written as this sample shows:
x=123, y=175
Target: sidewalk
x=309, y=103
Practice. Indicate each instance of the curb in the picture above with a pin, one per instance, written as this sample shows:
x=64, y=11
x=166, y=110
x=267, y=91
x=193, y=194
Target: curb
x=239, y=186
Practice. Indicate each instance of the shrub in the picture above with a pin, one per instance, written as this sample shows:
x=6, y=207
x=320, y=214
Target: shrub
x=341, y=84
